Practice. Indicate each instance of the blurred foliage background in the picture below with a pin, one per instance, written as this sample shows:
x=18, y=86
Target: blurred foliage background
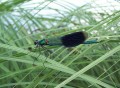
x=85, y=66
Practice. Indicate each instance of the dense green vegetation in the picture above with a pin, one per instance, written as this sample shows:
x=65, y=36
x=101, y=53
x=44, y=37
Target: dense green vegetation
x=84, y=66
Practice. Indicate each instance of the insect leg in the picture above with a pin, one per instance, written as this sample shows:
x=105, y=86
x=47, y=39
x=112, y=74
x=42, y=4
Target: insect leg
x=36, y=58
x=48, y=55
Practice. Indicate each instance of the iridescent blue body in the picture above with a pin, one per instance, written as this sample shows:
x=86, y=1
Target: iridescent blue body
x=54, y=43
x=91, y=42
x=70, y=40
x=50, y=41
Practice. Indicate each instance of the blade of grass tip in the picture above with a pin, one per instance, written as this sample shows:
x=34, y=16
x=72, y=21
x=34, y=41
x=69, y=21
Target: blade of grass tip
x=105, y=56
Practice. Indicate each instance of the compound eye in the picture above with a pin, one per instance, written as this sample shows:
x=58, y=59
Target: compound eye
x=36, y=42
